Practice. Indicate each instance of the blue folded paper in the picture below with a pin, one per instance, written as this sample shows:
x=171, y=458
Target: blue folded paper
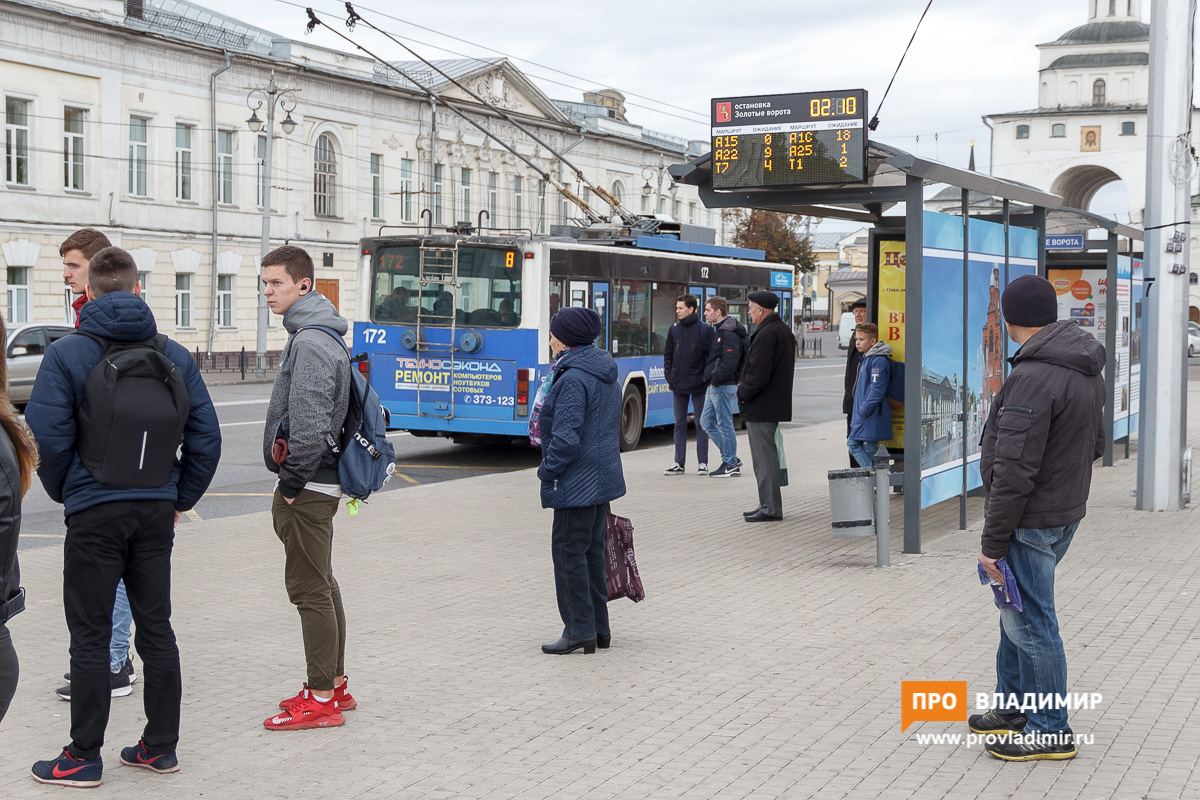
x=1007, y=594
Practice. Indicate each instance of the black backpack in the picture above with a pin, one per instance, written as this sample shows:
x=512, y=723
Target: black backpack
x=135, y=406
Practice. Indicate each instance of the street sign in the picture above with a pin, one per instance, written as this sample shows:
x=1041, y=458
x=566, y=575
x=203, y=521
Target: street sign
x=814, y=138
x=806, y=281
x=1064, y=241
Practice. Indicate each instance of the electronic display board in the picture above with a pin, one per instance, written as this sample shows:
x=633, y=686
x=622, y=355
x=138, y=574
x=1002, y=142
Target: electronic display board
x=814, y=138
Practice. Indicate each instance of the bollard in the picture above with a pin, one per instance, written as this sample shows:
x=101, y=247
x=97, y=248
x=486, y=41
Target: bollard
x=242, y=362
x=883, y=545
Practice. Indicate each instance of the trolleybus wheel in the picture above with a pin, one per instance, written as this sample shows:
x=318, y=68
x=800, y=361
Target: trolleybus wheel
x=632, y=417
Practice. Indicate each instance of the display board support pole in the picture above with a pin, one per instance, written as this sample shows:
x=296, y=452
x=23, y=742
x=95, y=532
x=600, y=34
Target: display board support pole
x=966, y=317
x=1112, y=286
x=914, y=237
x=1007, y=257
x=1039, y=224
x=1168, y=169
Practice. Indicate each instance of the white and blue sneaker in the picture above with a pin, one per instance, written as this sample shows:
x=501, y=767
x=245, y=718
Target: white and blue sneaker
x=674, y=469
x=726, y=471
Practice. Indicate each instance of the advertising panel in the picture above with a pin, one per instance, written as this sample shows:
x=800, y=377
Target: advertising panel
x=891, y=318
x=479, y=388
x=959, y=384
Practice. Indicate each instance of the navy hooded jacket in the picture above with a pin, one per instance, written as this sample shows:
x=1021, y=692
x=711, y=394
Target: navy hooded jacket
x=581, y=432
x=871, y=420
x=58, y=395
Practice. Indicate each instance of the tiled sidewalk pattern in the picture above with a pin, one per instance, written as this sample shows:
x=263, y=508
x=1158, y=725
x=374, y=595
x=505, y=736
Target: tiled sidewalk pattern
x=765, y=661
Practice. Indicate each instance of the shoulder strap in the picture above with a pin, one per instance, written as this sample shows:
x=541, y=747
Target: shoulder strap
x=158, y=342
x=330, y=331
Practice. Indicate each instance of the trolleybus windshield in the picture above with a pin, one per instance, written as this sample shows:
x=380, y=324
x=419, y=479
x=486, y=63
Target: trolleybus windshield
x=488, y=292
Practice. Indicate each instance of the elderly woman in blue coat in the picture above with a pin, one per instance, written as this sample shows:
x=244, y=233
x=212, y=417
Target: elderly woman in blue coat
x=579, y=422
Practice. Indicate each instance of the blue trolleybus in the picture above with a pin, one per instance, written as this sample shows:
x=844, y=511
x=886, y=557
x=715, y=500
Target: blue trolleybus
x=456, y=327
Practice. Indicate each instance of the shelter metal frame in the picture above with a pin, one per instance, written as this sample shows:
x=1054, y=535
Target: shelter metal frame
x=893, y=177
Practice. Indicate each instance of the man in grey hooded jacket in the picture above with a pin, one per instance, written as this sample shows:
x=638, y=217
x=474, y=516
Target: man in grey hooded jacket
x=308, y=406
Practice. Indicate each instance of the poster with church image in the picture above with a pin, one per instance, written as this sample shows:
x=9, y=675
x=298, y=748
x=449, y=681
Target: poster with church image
x=959, y=384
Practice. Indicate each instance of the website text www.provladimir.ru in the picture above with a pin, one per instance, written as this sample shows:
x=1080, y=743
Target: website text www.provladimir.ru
x=970, y=740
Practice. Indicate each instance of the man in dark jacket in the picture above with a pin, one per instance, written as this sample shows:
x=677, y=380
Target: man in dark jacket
x=765, y=396
x=308, y=405
x=725, y=355
x=1043, y=432
x=859, y=309
x=580, y=422
x=684, y=357
x=116, y=532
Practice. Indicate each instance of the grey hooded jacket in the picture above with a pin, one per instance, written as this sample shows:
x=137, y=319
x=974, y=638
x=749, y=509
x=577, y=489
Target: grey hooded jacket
x=310, y=396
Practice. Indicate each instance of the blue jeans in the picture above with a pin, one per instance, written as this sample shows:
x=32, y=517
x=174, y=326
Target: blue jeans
x=863, y=452
x=680, y=405
x=1030, y=658
x=717, y=420
x=118, y=648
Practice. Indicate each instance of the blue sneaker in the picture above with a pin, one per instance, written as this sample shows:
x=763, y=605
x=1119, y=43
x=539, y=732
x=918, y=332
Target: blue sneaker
x=68, y=771
x=726, y=471
x=137, y=756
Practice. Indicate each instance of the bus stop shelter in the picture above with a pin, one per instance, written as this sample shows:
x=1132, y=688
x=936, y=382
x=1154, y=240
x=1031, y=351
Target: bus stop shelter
x=934, y=289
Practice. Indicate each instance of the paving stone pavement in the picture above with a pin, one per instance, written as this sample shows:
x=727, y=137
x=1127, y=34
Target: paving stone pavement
x=765, y=661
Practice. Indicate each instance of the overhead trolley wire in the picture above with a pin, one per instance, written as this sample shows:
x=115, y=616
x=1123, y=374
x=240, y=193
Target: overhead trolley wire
x=874, y=123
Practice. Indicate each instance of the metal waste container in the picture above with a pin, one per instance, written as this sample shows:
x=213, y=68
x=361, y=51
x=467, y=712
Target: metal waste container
x=852, y=501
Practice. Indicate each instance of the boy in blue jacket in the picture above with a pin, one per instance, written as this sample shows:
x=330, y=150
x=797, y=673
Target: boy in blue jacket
x=871, y=417
x=116, y=532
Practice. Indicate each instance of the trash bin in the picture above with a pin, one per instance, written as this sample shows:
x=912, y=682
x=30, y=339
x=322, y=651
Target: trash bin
x=852, y=501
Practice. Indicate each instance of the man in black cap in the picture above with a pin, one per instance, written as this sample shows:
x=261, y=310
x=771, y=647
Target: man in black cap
x=859, y=309
x=765, y=397
x=1043, y=432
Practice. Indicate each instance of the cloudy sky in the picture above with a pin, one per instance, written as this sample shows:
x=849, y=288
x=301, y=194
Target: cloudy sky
x=970, y=57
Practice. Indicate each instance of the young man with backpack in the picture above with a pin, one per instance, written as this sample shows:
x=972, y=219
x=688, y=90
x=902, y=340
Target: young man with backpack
x=108, y=454
x=726, y=353
x=76, y=252
x=684, y=357
x=307, y=411
x=871, y=419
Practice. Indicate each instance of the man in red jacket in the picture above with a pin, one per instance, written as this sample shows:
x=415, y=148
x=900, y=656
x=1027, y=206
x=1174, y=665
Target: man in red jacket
x=76, y=252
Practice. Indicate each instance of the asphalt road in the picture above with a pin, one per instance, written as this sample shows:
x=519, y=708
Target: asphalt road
x=242, y=484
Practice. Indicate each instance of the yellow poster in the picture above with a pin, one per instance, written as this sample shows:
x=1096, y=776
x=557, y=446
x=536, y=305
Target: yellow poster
x=891, y=318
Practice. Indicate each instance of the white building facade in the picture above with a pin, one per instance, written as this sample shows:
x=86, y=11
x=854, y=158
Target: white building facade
x=109, y=123
x=1089, y=127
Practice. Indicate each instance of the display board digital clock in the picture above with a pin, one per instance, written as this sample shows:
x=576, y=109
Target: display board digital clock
x=805, y=139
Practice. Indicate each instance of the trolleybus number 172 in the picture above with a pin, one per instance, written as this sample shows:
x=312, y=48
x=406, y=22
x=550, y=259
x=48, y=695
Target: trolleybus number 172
x=375, y=335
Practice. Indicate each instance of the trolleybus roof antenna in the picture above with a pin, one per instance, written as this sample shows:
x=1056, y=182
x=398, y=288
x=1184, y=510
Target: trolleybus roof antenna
x=626, y=217
x=592, y=216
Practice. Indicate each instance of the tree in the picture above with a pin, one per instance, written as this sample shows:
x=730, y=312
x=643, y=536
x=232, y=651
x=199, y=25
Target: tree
x=786, y=238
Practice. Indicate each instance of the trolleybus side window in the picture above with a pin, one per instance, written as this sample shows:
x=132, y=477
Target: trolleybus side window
x=663, y=312
x=488, y=292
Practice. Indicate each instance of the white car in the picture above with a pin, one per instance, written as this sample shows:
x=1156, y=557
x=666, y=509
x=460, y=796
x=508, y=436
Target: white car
x=1193, y=339
x=846, y=330
x=26, y=345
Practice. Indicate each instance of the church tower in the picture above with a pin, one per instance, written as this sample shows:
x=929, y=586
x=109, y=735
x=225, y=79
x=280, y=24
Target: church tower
x=1089, y=126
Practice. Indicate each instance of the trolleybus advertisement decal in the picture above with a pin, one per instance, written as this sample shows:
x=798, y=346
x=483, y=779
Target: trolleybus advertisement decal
x=475, y=382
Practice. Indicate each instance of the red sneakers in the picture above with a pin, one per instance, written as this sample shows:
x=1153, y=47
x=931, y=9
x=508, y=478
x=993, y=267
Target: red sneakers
x=345, y=700
x=305, y=712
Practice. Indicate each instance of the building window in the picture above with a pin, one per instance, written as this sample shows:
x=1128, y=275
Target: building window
x=325, y=177
x=18, y=295
x=518, y=202
x=645, y=204
x=1128, y=128
x=183, y=162
x=68, y=309
x=493, y=179
x=691, y=213
x=465, y=192
x=73, y=149
x=676, y=206
x=618, y=193
x=406, y=188
x=137, y=156
x=376, y=185
x=1022, y=131
x=260, y=170
x=437, y=194
x=183, y=300
x=1193, y=278
x=225, y=167
x=1058, y=130
x=225, y=301
x=1098, y=89
x=144, y=280
x=16, y=142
